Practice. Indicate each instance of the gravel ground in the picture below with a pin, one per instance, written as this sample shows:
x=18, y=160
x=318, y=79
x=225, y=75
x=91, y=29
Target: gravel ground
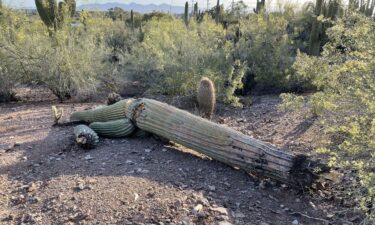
x=46, y=179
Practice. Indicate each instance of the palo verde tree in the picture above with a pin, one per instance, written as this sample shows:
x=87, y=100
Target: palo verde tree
x=54, y=15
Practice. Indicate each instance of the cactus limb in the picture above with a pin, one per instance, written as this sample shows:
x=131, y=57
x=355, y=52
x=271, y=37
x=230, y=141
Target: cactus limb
x=114, y=128
x=57, y=114
x=102, y=114
x=220, y=142
x=85, y=137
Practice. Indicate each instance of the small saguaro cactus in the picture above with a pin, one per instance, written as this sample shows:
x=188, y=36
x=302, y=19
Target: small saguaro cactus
x=260, y=6
x=206, y=97
x=57, y=114
x=217, y=13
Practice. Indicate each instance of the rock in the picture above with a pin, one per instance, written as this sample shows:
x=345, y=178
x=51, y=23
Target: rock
x=295, y=222
x=136, y=196
x=147, y=150
x=221, y=210
x=88, y=157
x=197, y=208
x=239, y=215
x=31, y=187
x=224, y=223
x=264, y=223
x=211, y=188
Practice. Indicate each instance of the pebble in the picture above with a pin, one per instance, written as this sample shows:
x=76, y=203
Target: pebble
x=211, y=188
x=147, y=150
x=224, y=223
x=264, y=223
x=220, y=210
x=197, y=208
x=295, y=222
x=239, y=215
x=88, y=157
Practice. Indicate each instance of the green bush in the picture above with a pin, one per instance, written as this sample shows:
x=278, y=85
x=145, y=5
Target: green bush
x=267, y=48
x=345, y=79
x=173, y=58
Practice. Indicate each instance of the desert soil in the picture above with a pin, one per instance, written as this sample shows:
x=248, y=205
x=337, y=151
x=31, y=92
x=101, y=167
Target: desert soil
x=46, y=179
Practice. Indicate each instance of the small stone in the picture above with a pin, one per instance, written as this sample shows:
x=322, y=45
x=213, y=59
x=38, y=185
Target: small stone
x=264, y=223
x=136, y=196
x=147, y=150
x=31, y=187
x=239, y=215
x=164, y=150
x=197, y=208
x=298, y=200
x=224, y=223
x=295, y=222
x=220, y=210
x=88, y=157
x=211, y=188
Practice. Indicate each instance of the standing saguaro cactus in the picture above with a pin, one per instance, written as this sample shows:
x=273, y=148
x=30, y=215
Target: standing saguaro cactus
x=314, y=44
x=195, y=12
x=260, y=6
x=186, y=14
x=217, y=15
x=206, y=97
x=132, y=19
x=54, y=14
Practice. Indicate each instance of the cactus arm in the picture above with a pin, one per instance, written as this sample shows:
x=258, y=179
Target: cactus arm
x=102, y=114
x=219, y=142
x=114, y=128
x=42, y=7
x=85, y=137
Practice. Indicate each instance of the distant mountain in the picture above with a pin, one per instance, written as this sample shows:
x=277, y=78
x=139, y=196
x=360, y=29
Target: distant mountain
x=134, y=6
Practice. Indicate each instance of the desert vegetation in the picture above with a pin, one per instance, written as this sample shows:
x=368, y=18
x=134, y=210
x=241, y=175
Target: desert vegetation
x=319, y=57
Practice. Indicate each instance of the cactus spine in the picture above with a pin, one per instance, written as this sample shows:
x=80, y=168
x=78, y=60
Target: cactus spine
x=115, y=128
x=103, y=114
x=57, y=114
x=85, y=137
x=206, y=97
x=186, y=14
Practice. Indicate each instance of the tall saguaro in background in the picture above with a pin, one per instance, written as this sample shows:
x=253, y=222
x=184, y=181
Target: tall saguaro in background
x=260, y=6
x=217, y=16
x=132, y=19
x=54, y=14
x=186, y=14
x=314, y=44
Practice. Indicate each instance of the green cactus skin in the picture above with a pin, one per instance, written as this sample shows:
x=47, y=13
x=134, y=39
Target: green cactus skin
x=132, y=19
x=220, y=142
x=314, y=42
x=186, y=14
x=206, y=98
x=53, y=13
x=102, y=114
x=114, y=129
x=218, y=8
x=85, y=137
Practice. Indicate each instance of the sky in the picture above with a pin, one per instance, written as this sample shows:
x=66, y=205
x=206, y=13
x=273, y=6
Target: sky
x=201, y=3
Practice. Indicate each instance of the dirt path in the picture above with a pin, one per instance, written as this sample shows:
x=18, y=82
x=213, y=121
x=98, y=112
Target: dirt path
x=46, y=179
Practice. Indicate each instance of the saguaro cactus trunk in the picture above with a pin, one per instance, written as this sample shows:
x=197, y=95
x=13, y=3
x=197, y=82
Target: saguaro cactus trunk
x=219, y=142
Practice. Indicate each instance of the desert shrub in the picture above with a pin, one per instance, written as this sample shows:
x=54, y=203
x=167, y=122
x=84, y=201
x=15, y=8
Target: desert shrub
x=266, y=47
x=345, y=79
x=173, y=57
x=68, y=63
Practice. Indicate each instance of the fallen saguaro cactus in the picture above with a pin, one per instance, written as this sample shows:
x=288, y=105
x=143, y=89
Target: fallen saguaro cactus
x=217, y=141
x=114, y=128
x=85, y=137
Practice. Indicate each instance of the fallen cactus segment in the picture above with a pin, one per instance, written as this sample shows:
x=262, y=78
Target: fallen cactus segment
x=114, y=128
x=220, y=142
x=102, y=114
x=85, y=137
